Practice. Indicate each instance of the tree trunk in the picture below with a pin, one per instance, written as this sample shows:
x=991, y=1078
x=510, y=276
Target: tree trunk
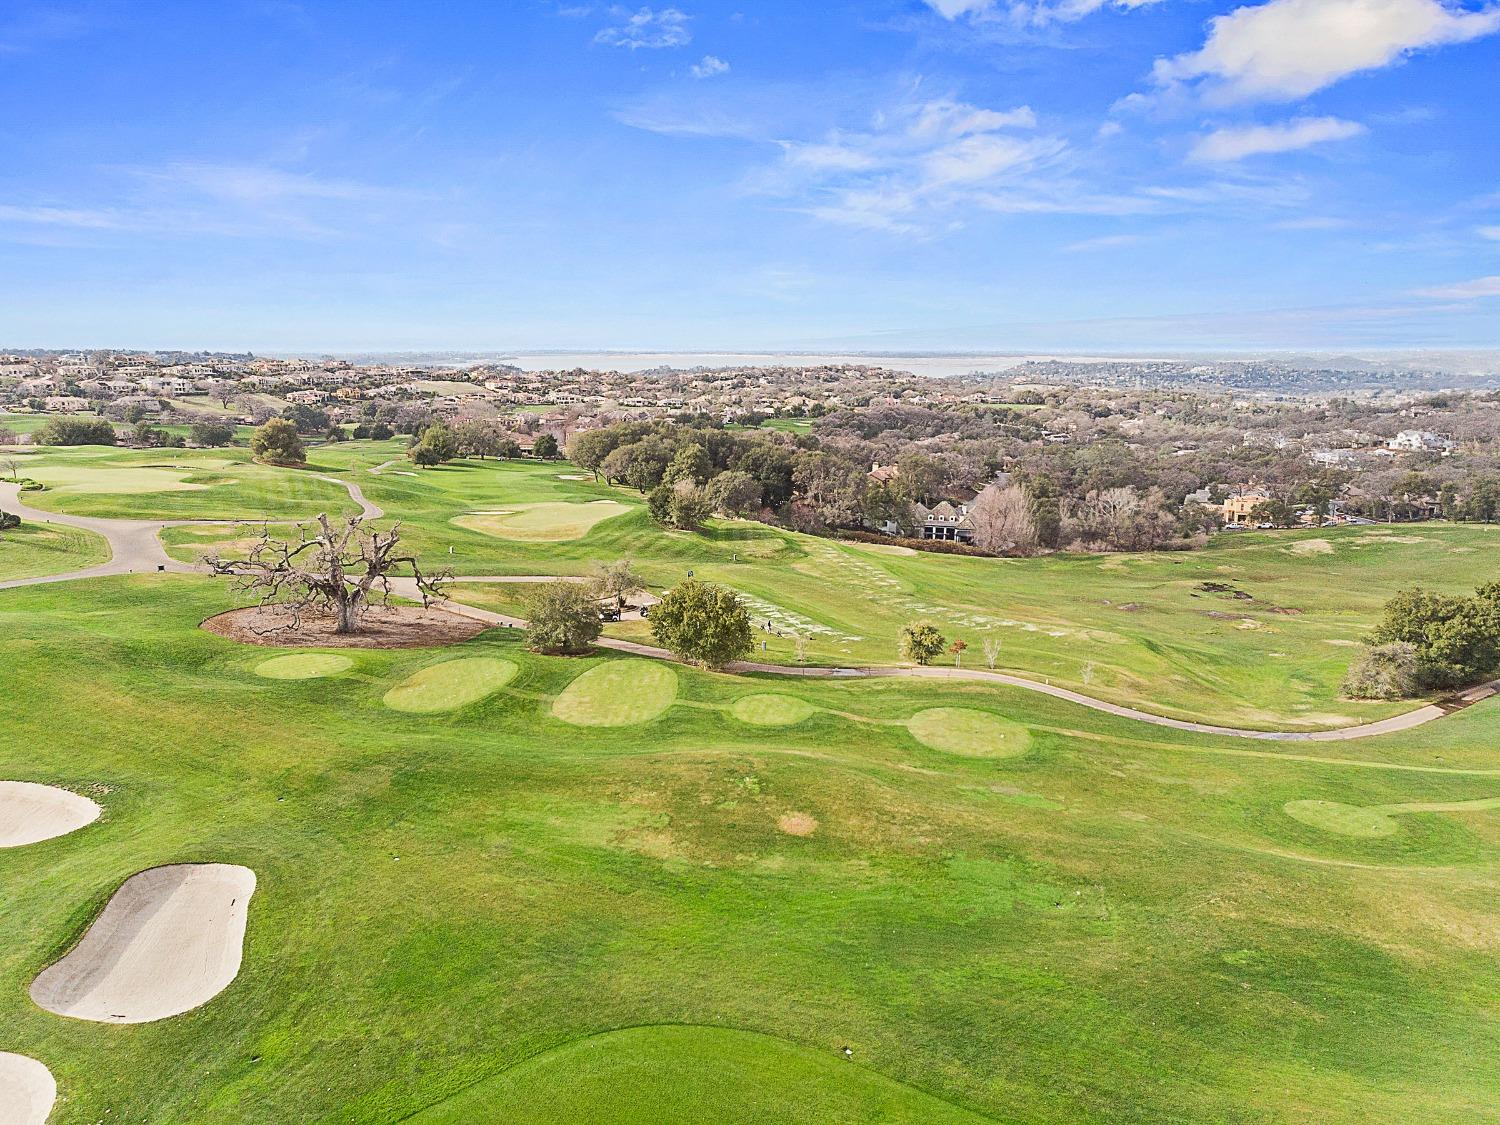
x=348, y=614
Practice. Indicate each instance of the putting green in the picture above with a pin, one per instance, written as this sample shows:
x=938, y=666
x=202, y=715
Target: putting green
x=303, y=666
x=553, y=523
x=772, y=710
x=974, y=734
x=675, y=1075
x=618, y=694
x=450, y=685
x=1346, y=820
x=117, y=479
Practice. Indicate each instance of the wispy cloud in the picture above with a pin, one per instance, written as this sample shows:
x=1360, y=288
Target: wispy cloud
x=1492, y=233
x=1465, y=290
x=652, y=29
x=1230, y=144
x=78, y=218
x=1023, y=12
x=1287, y=49
x=1105, y=242
x=711, y=67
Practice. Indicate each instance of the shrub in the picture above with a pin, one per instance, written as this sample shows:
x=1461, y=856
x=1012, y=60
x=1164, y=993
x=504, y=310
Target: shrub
x=211, y=434
x=703, y=623
x=1388, y=671
x=9, y=521
x=562, y=617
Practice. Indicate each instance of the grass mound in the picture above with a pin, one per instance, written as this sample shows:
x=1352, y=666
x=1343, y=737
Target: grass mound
x=450, y=685
x=974, y=734
x=683, y=1074
x=1345, y=820
x=618, y=694
x=303, y=666
x=552, y=523
x=772, y=710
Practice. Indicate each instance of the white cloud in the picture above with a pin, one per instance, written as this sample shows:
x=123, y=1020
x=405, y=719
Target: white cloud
x=1225, y=145
x=1023, y=12
x=914, y=163
x=1288, y=49
x=1465, y=290
x=647, y=28
x=710, y=67
x=1492, y=233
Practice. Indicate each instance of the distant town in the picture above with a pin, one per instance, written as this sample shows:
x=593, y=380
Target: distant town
x=1100, y=455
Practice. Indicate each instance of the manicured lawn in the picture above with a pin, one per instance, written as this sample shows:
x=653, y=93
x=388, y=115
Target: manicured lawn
x=36, y=549
x=463, y=914
x=1257, y=630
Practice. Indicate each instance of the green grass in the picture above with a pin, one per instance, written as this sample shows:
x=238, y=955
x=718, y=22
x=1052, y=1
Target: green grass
x=687, y=1075
x=1347, y=820
x=772, y=710
x=1140, y=630
x=304, y=666
x=450, y=685
x=459, y=912
x=975, y=734
x=624, y=693
x=37, y=549
x=546, y=523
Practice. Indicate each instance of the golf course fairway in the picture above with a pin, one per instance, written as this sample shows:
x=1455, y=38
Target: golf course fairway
x=621, y=693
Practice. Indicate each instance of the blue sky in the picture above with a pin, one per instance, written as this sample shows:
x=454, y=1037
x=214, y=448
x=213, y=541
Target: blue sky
x=1079, y=175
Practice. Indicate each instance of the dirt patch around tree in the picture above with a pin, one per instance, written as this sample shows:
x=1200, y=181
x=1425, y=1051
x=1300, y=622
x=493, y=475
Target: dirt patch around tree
x=381, y=627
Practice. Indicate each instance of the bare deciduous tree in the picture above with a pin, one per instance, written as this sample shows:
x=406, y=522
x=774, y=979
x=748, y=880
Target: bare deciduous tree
x=332, y=571
x=991, y=651
x=1002, y=521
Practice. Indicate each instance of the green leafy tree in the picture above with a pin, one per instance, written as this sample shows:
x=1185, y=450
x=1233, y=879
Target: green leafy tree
x=211, y=434
x=76, y=431
x=589, y=448
x=1455, y=640
x=922, y=642
x=277, y=441
x=689, y=508
x=735, y=493
x=703, y=623
x=307, y=419
x=690, y=465
x=545, y=447
x=617, y=581
x=562, y=617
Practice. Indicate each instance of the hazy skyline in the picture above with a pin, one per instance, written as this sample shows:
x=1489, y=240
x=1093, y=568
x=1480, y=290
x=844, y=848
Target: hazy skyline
x=964, y=175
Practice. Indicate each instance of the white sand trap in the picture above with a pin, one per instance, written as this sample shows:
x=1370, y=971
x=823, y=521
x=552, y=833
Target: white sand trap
x=27, y=1090
x=169, y=940
x=30, y=813
x=573, y=476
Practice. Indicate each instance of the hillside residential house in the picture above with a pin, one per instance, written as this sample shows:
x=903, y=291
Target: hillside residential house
x=1237, y=508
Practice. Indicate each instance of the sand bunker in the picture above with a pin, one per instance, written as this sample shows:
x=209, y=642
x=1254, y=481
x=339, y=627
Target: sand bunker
x=618, y=694
x=572, y=476
x=169, y=940
x=771, y=710
x=551, y=523
x=31, y=813
x=974, y=734
x=1344, y=820
x=393, y=627
x=27, y=1090
x=450, y=685
x=303, y=666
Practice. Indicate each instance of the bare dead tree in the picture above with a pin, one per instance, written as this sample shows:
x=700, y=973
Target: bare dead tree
x=332, y=571
x=991, y=650
x=1003, y=522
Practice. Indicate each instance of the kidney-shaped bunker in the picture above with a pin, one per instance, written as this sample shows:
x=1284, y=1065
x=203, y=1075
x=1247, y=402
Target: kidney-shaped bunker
x=169, y=940
x=30, y=813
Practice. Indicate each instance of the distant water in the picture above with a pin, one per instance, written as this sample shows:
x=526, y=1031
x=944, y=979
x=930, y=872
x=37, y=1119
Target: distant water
x=935, y=365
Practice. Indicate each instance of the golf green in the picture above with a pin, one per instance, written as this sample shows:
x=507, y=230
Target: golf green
x=618, y=694
x=450, y=685
x=681, y=1075
x=974, y=734
x=772, y=710
x=553, y=523
x=1346, y=820
x=303, y=666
